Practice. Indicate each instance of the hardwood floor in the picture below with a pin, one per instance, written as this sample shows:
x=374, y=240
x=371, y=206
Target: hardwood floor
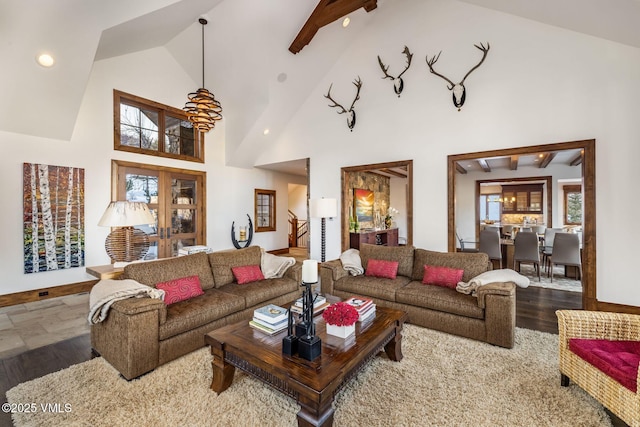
x=535, y=309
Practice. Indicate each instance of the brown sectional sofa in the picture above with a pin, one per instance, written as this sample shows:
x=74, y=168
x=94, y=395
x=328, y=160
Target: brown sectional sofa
x=140, y=334
x=489, y=316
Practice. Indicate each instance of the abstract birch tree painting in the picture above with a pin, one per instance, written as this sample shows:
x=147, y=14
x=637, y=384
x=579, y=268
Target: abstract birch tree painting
x=53, y=198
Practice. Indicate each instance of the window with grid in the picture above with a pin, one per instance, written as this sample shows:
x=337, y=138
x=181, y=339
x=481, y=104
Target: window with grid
x=148, y=127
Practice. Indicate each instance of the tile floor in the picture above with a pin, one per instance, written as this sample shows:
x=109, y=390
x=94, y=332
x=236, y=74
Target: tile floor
x=35, y=324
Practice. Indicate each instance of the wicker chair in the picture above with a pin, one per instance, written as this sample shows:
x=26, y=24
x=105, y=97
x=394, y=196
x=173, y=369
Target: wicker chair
x=599, y=325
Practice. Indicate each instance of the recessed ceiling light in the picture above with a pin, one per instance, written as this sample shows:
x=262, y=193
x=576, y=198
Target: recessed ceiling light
x=345, y=22
x=282, y=77
x=45, y=60
x=266, y=131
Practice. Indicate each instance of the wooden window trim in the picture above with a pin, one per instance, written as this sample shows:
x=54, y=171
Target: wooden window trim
x=162, y=110
x=272, y=211
x=566, y=190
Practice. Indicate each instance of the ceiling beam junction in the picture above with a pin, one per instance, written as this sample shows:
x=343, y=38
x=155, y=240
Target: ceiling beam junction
x=326, y=12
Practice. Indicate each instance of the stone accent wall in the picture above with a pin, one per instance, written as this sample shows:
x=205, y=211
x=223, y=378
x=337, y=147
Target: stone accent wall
x=380, y=185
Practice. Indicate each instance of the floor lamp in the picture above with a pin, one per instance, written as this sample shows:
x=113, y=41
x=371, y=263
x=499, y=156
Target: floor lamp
x=323, y=209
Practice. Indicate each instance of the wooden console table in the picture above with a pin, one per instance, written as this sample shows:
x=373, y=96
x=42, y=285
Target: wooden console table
x=388, y=237
x=105, y=271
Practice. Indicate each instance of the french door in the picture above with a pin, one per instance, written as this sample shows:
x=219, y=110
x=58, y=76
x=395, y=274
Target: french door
x=176, y=198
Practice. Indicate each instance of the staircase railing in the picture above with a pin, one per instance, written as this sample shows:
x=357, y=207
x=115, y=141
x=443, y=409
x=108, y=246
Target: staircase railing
x=298, y=232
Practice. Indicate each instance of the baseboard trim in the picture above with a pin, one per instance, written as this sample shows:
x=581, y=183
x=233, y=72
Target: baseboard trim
x=45, y=293
x=617, y=308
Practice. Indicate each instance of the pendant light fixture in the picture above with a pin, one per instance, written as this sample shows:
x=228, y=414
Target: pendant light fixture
x=202, y=108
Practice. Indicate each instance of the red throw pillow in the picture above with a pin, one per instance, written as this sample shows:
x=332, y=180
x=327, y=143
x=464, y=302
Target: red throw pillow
x=442, y=276
x=177, y=290
x=247, y=274
x=381, y=268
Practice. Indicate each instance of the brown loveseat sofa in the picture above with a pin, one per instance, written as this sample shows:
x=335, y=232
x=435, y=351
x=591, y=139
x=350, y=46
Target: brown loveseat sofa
x=140, y=334
x=489, y=316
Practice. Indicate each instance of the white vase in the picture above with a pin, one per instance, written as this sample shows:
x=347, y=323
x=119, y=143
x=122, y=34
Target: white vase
x=341, y=331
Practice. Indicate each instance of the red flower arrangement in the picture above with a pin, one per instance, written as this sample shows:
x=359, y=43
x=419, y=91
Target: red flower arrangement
x=340, y=314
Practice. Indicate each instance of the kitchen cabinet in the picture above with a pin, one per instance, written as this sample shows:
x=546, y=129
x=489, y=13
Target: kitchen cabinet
x=525, y=199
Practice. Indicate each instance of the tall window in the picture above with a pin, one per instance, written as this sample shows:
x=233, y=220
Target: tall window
x=490, y=207
x=573, y=204
x=147, y=127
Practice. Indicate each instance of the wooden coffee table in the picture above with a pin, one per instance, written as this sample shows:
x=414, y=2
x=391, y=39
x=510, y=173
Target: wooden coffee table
x=313, y=384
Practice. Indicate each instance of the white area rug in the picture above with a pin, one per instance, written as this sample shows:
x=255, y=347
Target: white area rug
x=560, y=282
x=443, y=380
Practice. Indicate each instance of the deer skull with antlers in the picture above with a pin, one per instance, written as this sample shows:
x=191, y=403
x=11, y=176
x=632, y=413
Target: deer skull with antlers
x=398, y=84
x=459, y=91
x=351, y=113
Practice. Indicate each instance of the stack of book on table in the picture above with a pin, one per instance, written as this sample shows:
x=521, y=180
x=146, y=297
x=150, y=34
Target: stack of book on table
x=319, y=304
x=270, y=319
x=365, y=306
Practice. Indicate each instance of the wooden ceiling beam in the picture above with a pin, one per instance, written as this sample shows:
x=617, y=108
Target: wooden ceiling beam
x=326, y=12
x=394, y=173
x=460, y=169
x=484, y=165
x=577, y=160
x=546, y=159
x=513, y=163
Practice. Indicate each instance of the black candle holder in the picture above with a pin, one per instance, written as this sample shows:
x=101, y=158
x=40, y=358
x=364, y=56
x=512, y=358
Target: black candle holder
x=290, y=342
x=309, y=345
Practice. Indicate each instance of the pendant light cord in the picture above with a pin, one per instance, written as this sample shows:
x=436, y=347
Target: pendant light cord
x=203, y=22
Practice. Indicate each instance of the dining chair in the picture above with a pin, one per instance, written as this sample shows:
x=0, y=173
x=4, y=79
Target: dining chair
x=525, y=229
x=547, y=245
x=507, y=231
x=462, y=242
x=527, y=250
x=566, y=251
x=539, y=230
x=490, y=244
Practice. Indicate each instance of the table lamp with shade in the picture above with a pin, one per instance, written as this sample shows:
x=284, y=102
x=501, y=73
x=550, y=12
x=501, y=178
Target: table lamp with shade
x=323, y=208
x=125, y=243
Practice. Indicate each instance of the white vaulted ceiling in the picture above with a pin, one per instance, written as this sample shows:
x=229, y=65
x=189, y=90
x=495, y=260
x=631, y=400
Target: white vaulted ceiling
x=246, y=53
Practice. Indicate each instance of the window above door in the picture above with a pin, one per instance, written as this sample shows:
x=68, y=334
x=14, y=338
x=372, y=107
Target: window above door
x=148, y=127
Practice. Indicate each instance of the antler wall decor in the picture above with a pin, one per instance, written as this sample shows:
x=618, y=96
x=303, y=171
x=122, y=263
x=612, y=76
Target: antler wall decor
x=351, y=113
x=459, y=91
x=398, y=84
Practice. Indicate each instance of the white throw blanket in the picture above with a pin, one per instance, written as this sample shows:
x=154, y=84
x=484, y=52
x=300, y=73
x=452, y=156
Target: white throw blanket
x=274, y=267
x=492, y=276
x=107, y=291
x=351, y=262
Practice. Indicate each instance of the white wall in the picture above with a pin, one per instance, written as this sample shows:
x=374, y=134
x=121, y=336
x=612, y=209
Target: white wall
x=229, y=190
x=539, y=84
x=298, y=200
x=398, y=200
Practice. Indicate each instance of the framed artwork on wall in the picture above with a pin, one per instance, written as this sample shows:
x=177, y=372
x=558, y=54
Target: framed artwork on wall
x=53, y=220
x=363, y=204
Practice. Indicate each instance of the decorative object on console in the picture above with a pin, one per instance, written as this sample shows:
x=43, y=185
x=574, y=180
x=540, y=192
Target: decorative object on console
x=341, y=319
x=351, y=113
x=247, y=238
x=52, y=241
x=203, y=110
x=309, y=345
x=398, y=83
x=126, y=243
x=323, y=209
x=459, y=91
x=388, y=220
